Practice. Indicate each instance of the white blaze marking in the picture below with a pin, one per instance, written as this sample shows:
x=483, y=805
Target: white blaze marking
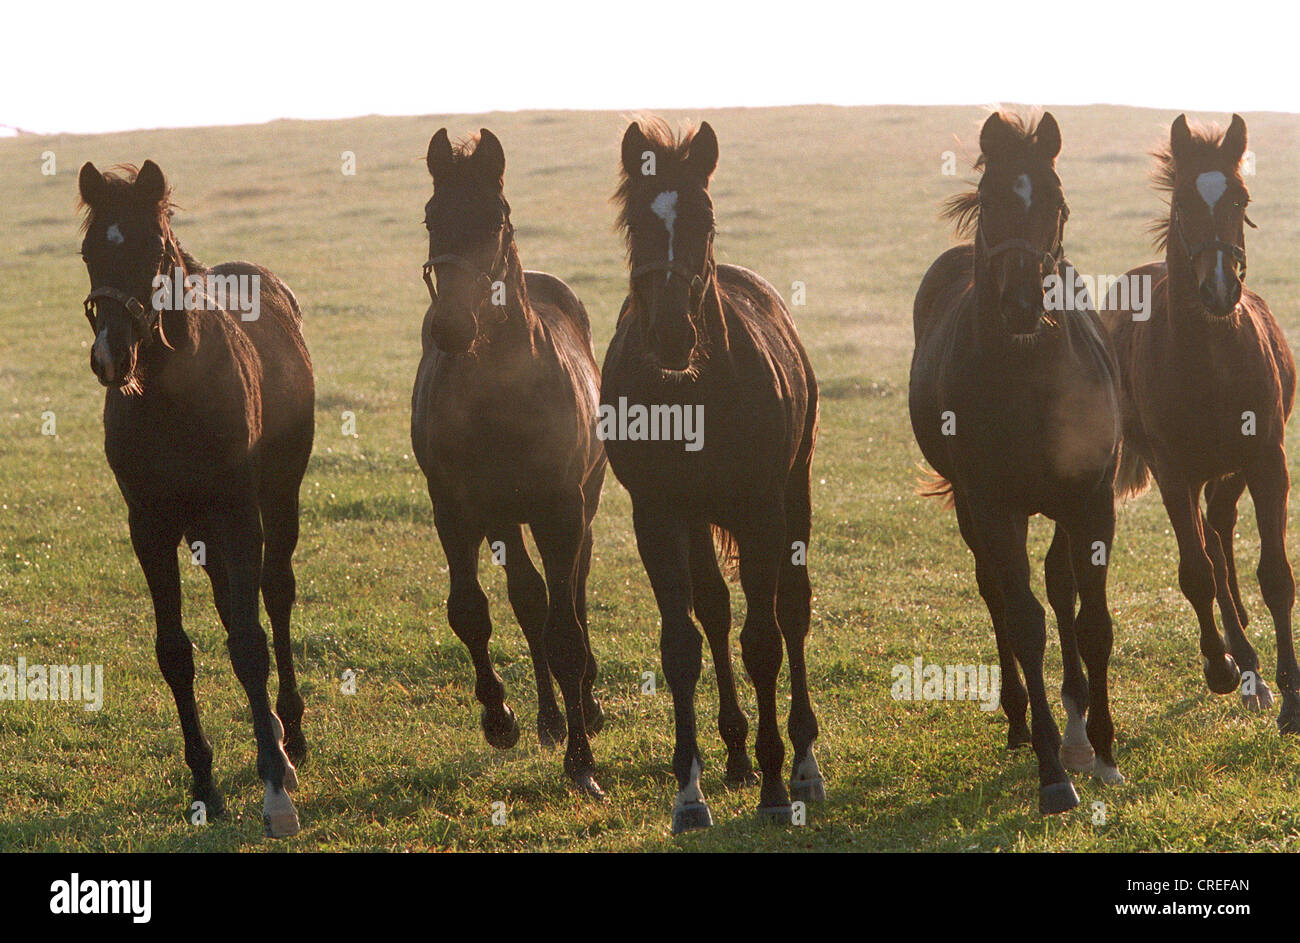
x=1211, y=186
x=1024, y=189
x=114, y=235
x=100, y=352
x=665, y=207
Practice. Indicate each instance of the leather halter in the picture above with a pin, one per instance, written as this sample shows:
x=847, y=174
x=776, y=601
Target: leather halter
x=1048, y=261
x=144, y=318
x=699, y=281
x=1213, y=243
x=491, y=277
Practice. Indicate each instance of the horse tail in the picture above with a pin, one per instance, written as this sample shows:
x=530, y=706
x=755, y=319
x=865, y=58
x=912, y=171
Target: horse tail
x=728, y=551
x=931, y=484
x=1132, y=477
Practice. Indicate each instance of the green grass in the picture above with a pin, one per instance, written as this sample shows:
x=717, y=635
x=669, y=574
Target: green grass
x=844, y=200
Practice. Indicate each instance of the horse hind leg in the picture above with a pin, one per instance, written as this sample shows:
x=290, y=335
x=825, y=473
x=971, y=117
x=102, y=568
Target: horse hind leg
x=1219, y=525
x=712, y=603
x=279, y=590
x=592, y=711
x=527, y=592
x=1076, y=752
x=154, y=539
x=794, y=615
x=1269, y=485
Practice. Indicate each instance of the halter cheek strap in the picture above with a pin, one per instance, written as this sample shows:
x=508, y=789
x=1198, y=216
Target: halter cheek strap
x=143, y=318
x=465, y=265
x=1214, y=243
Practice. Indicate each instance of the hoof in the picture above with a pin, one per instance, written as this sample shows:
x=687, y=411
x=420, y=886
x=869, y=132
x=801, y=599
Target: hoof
x=1077, y=757
x=740, y=773
x=501, y=733
x=214, y=803
x=295, y=745
x=691, y=817
x=812, y=790
x=1110, y=775
x=1288, y=720
x=1018, y=737
x=1221, y=677
x=551, y=733
x=594, y=716
x=1058, y=797
x=1261, y=699
x=279, y=816
x=775, y=814
x=806, y=783
x=586, y=784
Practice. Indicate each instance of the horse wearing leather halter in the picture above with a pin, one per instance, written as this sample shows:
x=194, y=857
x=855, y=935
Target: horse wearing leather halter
x=1015, y=409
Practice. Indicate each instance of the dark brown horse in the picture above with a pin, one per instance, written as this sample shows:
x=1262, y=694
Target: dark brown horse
x=208, y=425
x=503, y=422
x=1208, y=385
x=1016, y=408
x=715, y=343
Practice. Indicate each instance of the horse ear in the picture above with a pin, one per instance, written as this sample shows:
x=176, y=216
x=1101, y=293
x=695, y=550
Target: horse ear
x=91, y=184
x=635, y=144
x=1048, y=137
x=490, y=157
x=151, y=184
x=1234, y=141
x=996, y=135
x=702, y=157
x=438, y=159
x=1180, y=138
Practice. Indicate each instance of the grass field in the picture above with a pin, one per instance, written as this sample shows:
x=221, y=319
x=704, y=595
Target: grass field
x=844, y=200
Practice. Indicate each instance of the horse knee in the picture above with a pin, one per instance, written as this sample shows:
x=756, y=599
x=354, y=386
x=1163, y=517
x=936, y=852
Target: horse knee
x=1196, y=579
x=249, y=656
x=467, y=611
x=1276, y=582
x=760, y=650
x=176, y=660
x=682, y=653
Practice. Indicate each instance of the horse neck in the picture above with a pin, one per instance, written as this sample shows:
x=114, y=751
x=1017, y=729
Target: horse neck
x=519, y=333
x=181, y=328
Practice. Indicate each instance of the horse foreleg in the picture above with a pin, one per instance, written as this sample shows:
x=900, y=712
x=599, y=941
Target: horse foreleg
x=1270, y=483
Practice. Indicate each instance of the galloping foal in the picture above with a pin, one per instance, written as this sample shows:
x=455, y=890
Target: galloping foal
x=1016, y=408
x=208, y=424
x=699, y=339
x=503, y=424
x=1208, y=385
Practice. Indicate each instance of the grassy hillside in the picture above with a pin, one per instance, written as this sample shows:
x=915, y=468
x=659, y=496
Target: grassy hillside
x=844, y=200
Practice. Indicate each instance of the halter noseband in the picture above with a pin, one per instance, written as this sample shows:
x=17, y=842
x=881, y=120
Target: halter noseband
x=1051, y=257
x=491, y=277
x=699, y=281
x=1237, y=253
x=143, y=318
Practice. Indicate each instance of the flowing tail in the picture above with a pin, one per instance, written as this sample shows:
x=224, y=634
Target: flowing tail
x=1132, y=477
x=728, y=552
x=931, y=484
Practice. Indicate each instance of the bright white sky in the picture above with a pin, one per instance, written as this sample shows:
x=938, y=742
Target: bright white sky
x=141, y=64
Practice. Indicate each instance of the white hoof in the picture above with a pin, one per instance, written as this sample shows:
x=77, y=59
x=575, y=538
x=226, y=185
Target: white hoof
x=1077, y=757
x=1260, y=700
x=1110, y=775
x=278, y=814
